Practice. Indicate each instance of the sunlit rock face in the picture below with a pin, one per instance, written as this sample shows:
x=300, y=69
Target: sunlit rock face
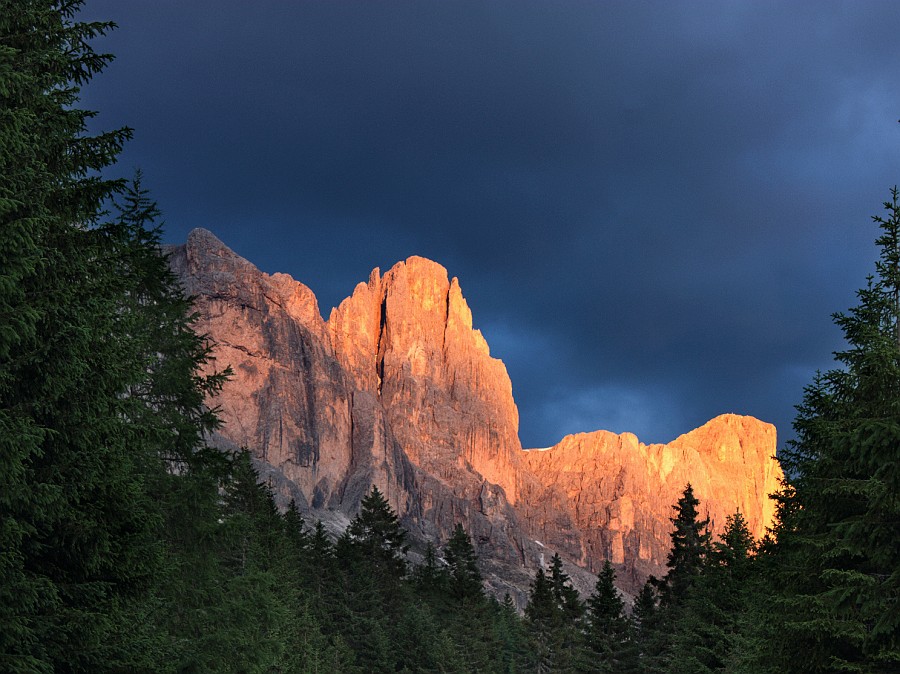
x=397, y=389
x=289, y=400
x=618, y=492
x=407, y=337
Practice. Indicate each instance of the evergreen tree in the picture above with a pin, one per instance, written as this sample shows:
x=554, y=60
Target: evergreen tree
x=836, y=560
x=462, y=564
x=168, y=403
x=513, y=652
x=321, y=574
x=250, y=604
x=376, y=531
x=552, y=614
x=645, y=608
x=430, y=578
x=566, y=596
x=295, y=533
x=58, y=582
x=705, y=631
x=648, y=631
x=365, y=602
x=607, y=627
x=371, y=558
x=685, y=562
x=690, y=545
x=544, y=621
x=99, y=383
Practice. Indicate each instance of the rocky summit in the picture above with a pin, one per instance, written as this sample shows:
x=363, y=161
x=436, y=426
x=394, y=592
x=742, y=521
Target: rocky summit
x=397, y=389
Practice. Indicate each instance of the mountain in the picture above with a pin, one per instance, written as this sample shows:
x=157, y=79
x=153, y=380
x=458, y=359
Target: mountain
x=399, y=390
x=618, y=493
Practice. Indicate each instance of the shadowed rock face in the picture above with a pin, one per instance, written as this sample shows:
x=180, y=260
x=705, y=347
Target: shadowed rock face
x=397, y=389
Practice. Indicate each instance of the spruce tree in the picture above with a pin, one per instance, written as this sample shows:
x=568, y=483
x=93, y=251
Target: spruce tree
x=607, y=626
x=685, y=562
x=836, y=560
x=645, y=608
x=168, y=401
x=376, y=531
x=566, y=596
x=648, y=630
x=371, y=557
x=512, y=636
x=321, y=578
x=690, y=545
x=99, y=389
x=552, y=614
x=55, y=570
x=295, y=533
x=706, y=625
x=462, y=564
x=430, y=577
x=544, y=620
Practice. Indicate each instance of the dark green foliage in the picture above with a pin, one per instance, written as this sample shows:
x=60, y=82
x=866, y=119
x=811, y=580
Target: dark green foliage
x=431, y=578
x=553, y=617
x=646, y=605
x=377, y=535
x=690, y=546
x=61, y=571
x=464, y=577
x=513, y=649
x=435, y=619
x=167, y=403
x=835, y=564
x=706, y=626
x=607, y=629
x=544, y=622
x=565, y=596
x=661, y=603
x=99, y=384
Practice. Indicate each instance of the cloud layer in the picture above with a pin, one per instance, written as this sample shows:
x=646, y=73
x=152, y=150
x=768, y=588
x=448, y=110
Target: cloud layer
x=653, y=208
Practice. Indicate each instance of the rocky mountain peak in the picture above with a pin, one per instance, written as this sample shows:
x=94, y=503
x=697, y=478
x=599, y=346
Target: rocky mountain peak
x=398, y=389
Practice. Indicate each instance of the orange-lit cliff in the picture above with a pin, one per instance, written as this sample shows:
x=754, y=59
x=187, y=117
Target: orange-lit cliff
x=619, y=492
x=397, y=389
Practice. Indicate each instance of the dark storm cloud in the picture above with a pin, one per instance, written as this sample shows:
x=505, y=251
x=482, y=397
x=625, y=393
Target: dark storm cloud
x=653, y=207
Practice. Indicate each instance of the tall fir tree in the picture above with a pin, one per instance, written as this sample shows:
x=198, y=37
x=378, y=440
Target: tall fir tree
x=48, y=341
x=544, y=620
x=377, y=533
x=606, y=632
x=705, y=632
x=646, y=642
x=94, y=403
x=645, y=609
x=836, y=560
x=462, y=565
x=690, y=546
x=430, y=577
x=553, y=615
x=565, y=595
x=663, y=600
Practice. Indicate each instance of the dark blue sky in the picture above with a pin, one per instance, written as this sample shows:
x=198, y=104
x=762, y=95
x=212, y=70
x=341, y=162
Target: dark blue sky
x=653, y=207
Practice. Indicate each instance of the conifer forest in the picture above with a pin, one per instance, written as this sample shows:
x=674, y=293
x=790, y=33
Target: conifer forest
x=127, y=545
